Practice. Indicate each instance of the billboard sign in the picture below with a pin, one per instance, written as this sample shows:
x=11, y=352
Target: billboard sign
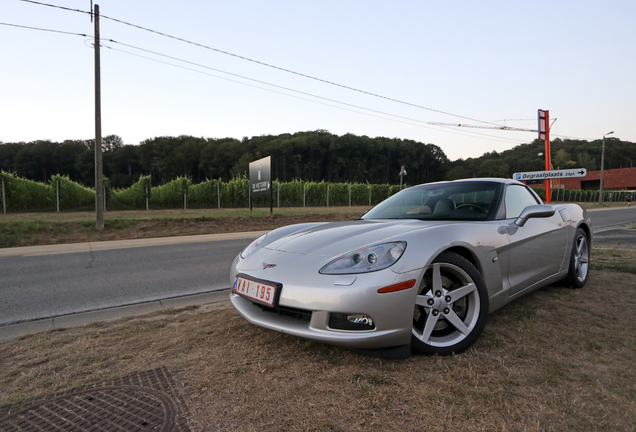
x=261, y=177
x=548, y=175
x=542, y=124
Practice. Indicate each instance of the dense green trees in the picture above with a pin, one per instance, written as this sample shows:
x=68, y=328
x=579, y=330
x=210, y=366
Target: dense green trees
x=566, y=154
x=309, y=156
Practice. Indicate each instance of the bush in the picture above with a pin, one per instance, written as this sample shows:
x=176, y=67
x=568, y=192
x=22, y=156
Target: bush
x=72, y=195
x=135, y=196
x=204, y=195
x=170, y=195
x=24, y=195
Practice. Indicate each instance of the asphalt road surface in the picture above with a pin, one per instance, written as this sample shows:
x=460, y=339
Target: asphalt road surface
x=43, y=286
x=603, y=219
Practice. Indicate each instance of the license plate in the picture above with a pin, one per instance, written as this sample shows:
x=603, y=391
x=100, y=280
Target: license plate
x=259, y=291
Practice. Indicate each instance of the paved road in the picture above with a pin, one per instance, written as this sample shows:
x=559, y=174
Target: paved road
x=42, y=286
x=606, y=218
x=41, y=282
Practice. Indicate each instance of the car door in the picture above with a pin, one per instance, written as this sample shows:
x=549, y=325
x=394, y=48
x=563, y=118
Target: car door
x=537, y=249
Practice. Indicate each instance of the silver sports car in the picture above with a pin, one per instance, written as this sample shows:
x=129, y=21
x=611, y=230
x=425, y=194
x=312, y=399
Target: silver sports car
x=422, y=270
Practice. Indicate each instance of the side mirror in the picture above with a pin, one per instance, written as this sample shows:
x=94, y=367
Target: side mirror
x=534, y=211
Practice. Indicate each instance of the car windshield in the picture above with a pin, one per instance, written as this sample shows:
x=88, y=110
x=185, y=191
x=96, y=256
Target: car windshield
x=441, y=201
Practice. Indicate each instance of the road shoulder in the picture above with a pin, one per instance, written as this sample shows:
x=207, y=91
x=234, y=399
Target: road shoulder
x=119, y=244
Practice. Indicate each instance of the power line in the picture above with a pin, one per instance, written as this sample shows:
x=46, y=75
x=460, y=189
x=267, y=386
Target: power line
x=422, y=123
x=429, y=124
x=42, y=29
x=55, y=6
x=287, y=71
x=263, y=63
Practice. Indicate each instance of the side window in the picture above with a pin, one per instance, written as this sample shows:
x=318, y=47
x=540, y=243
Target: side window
x=518, y=198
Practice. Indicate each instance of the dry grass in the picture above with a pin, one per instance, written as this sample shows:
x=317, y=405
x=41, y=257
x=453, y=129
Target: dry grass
x=555, y=360
x=32, y=229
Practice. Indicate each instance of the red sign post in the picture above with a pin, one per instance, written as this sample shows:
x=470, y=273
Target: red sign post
x=544, y=133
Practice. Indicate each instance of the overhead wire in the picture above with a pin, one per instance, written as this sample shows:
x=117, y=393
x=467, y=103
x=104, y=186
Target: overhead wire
x=280, y=69
x=422, y=123
x=291, y=71
x=264, y=63
x=403, y=119
x=42, y=29
x=253, y=86
x=55, y=6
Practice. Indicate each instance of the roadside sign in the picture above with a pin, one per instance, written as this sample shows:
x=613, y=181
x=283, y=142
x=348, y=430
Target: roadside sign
x=260, y=176
x=553, y=174
x=261, y=180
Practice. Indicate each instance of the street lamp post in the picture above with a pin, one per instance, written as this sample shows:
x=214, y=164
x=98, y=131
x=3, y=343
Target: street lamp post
x=600, y=195
x=402, y=173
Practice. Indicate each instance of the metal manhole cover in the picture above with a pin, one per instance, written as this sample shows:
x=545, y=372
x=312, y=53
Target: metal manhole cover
x=124, y=408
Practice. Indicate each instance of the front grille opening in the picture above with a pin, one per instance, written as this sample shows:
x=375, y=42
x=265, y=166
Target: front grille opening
x=300, y=314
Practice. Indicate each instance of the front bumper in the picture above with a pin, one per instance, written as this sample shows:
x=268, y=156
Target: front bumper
x=317, y=296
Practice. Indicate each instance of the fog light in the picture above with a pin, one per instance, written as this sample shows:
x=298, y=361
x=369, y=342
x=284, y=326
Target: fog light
x=339, y=321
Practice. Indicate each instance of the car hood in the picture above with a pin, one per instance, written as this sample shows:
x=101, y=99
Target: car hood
x=337, y=238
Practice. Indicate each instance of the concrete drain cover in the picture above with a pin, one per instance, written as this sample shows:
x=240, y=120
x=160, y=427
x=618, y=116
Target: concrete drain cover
x=129, y=408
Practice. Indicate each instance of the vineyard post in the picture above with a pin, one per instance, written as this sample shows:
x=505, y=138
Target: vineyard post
x=4, y=204
x=146, y=197
x=303, y=194
x=278, y=196
x=327, y=195
x=57, y=195
x=369, y=195
x=185, y=205
x=105, y=198
x=218, y=194
x=349, y=195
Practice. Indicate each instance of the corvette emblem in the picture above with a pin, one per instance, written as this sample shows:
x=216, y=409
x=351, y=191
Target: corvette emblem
x=266, y=266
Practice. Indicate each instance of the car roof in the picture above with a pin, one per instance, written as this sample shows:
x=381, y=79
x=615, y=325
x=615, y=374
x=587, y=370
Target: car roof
x=483, y=179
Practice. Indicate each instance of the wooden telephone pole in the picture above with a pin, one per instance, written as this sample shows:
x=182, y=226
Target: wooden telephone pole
x=99, y=179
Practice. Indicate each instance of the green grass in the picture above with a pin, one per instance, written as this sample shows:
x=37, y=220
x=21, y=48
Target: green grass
x=30, y=229
x=15, y=233
x=623, y=261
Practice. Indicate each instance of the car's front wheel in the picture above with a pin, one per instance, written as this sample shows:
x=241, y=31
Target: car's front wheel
x=451, y=307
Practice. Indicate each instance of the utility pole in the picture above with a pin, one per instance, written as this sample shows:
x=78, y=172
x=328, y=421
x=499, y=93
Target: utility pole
x=600, y=192
x=99, y=180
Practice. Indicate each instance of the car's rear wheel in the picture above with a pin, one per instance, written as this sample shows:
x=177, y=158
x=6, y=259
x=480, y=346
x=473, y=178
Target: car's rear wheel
x=579, y=261
x=451, y=307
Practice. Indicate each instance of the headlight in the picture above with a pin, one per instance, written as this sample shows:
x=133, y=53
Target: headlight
x=369, y=259
x=248, y=250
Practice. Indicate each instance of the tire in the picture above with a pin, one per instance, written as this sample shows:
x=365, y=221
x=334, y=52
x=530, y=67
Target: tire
x=579, y=261
x=451, y=307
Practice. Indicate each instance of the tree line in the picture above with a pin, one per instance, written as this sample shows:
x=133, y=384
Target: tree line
x=565, y=154
x=313, y=156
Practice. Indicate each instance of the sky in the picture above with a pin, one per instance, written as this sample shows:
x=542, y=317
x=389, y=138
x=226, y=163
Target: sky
x=366, y=67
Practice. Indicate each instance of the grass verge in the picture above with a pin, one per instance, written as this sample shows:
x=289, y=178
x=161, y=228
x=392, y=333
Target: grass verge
x=556, y=359
x=33, y=229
